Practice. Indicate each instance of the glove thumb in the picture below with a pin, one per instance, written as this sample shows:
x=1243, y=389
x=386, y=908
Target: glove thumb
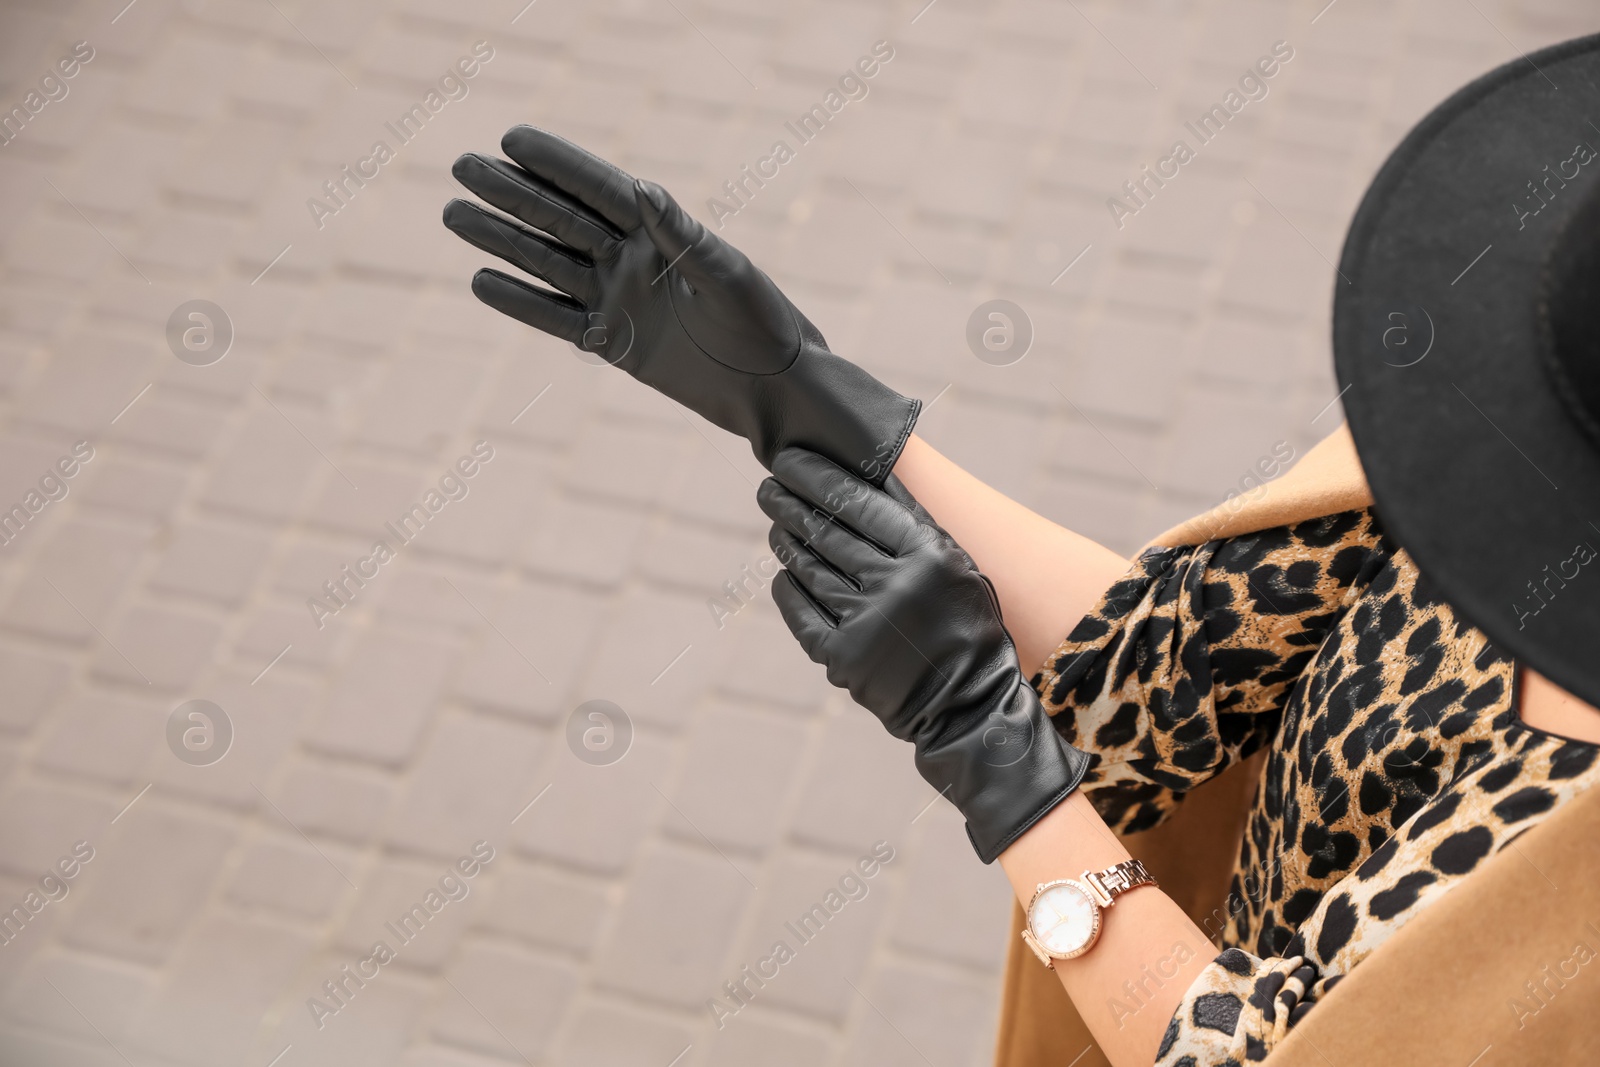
x=699, y=255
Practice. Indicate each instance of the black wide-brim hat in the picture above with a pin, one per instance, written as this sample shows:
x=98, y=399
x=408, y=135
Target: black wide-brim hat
x=1466, y=333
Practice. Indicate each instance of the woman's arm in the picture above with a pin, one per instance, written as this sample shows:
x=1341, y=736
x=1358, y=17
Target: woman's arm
x=1127, y=986
x=887, y=602
x=1046, y=576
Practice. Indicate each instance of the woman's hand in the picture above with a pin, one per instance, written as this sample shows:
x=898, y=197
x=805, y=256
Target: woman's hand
x=643, y=285
x=901, y=617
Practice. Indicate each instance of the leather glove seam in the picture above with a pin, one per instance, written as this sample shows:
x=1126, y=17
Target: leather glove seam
x=672, y=299
x=905, y=435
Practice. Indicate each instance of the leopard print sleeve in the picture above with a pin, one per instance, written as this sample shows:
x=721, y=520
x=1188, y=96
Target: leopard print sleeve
x=1186, y=662
x=1237, y=1010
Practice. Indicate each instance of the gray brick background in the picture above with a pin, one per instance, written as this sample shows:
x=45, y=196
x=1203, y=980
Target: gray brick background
x=426, y=715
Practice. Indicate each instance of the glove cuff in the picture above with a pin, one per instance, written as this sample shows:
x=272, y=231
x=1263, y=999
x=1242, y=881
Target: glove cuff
x=1006, y=771
x=832, y=407
x=989, y=847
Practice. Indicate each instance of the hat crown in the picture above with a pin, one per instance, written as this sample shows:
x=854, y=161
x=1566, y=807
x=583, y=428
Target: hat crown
x=1569, y=314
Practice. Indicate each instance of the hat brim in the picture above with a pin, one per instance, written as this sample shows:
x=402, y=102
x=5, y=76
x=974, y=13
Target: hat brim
x=1477, y=467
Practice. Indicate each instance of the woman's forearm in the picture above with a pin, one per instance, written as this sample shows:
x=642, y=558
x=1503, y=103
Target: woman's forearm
x=1046, y=576
x=1149, y=953
x=1047, y=579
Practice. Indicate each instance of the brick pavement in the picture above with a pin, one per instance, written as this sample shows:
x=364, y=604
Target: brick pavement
x=428, y=711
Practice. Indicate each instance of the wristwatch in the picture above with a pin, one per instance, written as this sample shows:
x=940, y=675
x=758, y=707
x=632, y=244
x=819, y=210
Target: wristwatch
x=1064, y=915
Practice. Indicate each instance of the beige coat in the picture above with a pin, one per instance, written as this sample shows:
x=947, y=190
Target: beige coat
x=1441, y=990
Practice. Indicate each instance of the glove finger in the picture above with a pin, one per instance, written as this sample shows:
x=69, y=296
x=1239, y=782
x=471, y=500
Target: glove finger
x=841, y=547
x=522, y=248
x=518, y=193
x=551, y=312
x=705, y=259
x=833, y=591
x=874, y=514
x=808, y=622
x=579, y=173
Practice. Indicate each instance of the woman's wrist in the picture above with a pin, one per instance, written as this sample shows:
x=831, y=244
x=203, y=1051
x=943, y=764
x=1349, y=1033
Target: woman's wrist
x=1066, y=841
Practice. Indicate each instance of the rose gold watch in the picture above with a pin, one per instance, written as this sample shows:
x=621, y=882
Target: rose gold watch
x=1064, y=916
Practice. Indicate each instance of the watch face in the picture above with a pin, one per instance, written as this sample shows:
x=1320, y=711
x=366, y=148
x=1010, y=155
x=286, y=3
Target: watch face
x=1065, y=920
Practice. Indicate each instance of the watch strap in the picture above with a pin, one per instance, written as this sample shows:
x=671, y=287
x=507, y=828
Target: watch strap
x=1114, y=881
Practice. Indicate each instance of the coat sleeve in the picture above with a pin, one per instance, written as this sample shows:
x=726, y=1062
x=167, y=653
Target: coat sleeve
x=1184, y=666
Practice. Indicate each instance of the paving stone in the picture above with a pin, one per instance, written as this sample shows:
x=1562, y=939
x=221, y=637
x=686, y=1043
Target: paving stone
x=108, y=736
x=268, y=717
x=164, y=647
x=335, y=799
x=431, y=594
x=444, y=1056
x=534, y=648
x=91, y=378
x=775, y=1042
x=681, y=554
x=287, y=876
x=142, y=489
x=185, y=242
x=420, y=404
x=1246, y=444
x=34, y=1048
x=60, y=247
x=370, y=1030
x=152, y=875
x=498, y=996
x=359, y=316
x=862, y=786
x=115, y=995
x=387, y=493
x=186, y=78
x=490, y=522
x=120, y=169
x=606, y=1035
x=939, y=882
x=626, y=462
x=1101, y=511
x=548, y=907
x=377, y=708
x=585, y=540
x=270, y=630
x=716, y=483
x=736, y=778
x=40, y=823
x=443, y=810
x=388, y=892
x=655, y=656
x=927, y=1018
x=29, y=939
x=212, y=561
x=764, y=662
x=675, y=927
x=594, y=817
x=230, y=1002
x=324, y=368
x=830, y=936
x=267, y=468
x=35, y=683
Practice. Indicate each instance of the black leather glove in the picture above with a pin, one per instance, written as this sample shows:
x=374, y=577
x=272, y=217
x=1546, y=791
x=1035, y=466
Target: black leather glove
x=649, y=289
x=876, y=591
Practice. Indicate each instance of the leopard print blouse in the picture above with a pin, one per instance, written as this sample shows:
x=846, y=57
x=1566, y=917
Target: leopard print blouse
x=1396, y=761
